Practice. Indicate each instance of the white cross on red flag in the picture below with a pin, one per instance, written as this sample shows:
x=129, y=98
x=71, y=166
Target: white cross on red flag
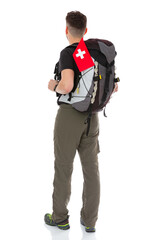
x=82, y=57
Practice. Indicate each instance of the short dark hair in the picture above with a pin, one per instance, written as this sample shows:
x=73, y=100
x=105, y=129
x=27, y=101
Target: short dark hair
x=76, y=22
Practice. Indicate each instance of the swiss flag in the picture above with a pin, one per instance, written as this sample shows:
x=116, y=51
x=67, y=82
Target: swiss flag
x=82, y=57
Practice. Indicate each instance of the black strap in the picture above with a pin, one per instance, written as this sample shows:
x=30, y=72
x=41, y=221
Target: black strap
x=105, y=112
x=70, y=96
x=55, y=86
x=88, y=119
x=108, y=73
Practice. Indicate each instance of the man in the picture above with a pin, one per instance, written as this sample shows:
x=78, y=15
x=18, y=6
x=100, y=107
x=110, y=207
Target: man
x=69, y=136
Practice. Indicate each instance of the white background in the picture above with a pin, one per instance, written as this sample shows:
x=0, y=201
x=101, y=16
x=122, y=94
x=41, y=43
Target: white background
x=32, y=34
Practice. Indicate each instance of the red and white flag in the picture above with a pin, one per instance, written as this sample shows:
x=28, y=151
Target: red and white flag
x=82, y=57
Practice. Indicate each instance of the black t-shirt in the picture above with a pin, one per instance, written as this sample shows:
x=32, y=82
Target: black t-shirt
x=66, y=61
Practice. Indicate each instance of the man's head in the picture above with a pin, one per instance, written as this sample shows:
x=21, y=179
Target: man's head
x=75, y=25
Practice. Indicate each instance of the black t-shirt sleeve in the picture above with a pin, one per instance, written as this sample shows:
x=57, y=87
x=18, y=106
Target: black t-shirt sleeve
x=66, y=60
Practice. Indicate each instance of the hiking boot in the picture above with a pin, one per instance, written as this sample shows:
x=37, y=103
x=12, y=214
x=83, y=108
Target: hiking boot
x=88, y=229
x=62, y=225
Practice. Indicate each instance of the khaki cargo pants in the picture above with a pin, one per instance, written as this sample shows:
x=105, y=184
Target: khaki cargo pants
x=69, y=137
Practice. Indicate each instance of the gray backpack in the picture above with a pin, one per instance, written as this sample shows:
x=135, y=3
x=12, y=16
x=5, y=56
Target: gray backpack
x=94, y=85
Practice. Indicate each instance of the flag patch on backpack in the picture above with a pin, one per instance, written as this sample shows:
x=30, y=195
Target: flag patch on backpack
x=82, y=57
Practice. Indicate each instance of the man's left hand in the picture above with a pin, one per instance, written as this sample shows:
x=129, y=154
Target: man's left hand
x=51, y=84
x=116, y=88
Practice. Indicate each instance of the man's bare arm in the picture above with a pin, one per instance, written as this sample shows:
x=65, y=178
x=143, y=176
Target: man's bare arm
x=66, y=83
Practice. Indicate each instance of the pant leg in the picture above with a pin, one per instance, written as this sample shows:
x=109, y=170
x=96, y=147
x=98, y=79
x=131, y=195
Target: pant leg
x=88, y=151
x=69, y=125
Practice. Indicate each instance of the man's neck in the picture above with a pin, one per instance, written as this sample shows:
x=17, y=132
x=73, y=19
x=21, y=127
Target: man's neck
x=74, y=40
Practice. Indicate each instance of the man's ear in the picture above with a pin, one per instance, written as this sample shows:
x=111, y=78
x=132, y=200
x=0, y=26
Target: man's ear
x=86, y=31
x=66, y=30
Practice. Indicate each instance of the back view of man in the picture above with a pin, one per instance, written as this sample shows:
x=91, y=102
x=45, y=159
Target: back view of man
x=70, y=136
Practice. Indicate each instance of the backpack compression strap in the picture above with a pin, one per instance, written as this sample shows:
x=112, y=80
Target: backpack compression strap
x=88, y=120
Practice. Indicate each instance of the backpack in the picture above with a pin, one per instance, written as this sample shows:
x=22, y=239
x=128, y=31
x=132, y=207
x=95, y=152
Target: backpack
x=93, y=86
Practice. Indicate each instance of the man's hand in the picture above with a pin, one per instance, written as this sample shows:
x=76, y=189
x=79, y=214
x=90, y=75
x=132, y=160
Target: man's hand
x=116, y=88
x=51, y=84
